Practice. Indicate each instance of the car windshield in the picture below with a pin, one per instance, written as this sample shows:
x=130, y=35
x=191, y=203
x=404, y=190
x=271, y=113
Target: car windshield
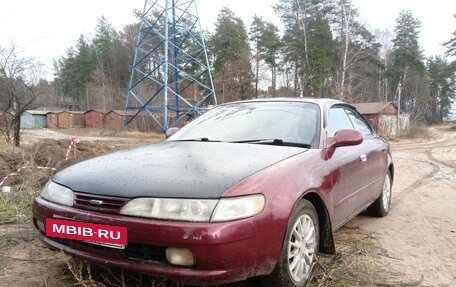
x=256, y=122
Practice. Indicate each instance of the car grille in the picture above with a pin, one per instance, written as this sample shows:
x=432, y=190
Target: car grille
x=100, y=203
x=145, y=252
x=132, y=251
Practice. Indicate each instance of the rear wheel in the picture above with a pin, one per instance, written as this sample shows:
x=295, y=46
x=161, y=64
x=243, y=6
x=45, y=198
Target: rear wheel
x=299, y=250
x=381, y=206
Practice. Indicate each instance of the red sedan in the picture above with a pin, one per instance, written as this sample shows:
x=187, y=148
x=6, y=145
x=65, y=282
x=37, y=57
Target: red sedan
x=249, y=189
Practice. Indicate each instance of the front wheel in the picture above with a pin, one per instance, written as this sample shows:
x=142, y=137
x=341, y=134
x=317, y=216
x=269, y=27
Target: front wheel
x=297, y=259
x=382, y=204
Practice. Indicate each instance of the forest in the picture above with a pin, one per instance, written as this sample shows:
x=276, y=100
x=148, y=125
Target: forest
x=320, y=49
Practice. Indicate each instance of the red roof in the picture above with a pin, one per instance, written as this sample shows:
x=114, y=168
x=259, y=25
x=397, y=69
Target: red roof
x=373, y=108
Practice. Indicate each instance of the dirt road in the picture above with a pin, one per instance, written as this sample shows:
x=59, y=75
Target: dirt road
x=39, y=134
x=418, y=237
x=415, y=245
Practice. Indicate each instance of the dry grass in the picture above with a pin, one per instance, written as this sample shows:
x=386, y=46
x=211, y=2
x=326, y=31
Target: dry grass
x=355, y=263
x=352, y=264
x=6, y=147
x=416, y=131
x=14, y=205
x=26, y=184
x=452, y=128
x=91, y=275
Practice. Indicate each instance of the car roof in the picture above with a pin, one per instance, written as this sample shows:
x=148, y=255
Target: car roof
x=319, y=101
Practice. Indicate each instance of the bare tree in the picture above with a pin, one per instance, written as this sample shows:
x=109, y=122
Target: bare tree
x=346, y=26
x=303, y=22
x=17, y=93
x=384, y=37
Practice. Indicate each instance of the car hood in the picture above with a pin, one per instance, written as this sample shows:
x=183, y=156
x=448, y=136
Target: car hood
x=174, y=169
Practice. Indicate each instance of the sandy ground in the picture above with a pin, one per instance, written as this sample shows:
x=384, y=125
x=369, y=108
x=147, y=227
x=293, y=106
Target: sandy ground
x=37, y=134
x=416, y=241
x=418, y=237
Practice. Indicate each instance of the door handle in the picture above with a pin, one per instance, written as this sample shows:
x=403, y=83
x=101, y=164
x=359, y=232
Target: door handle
x=363, y=157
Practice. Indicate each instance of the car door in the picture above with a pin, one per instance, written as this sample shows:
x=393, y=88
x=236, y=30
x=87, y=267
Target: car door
x=376, y=155
x=351, y=186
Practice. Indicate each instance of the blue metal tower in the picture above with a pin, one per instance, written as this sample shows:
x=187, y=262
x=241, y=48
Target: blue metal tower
x=170, y=80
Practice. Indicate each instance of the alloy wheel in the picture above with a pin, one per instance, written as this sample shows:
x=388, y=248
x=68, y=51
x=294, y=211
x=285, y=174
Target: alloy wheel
x=302, y=248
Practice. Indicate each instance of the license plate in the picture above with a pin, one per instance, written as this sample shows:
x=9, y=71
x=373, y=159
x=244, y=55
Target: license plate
x=101, y=234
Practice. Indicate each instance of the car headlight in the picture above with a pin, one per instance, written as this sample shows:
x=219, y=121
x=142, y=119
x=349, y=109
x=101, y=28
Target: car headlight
x=196, y=210
x=172, y=209
x=57, y=193
x=238, y=207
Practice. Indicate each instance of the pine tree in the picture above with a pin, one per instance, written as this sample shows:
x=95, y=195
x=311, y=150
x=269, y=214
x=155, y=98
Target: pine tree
x=406, y=49
x=451, y=44
x=442, y=85
x=300, y=19
x=231, y=52
x=271, y=47
x=322, y=55
x=103, y=42
x=256, y=37
x=408, y=67
x=266, y=45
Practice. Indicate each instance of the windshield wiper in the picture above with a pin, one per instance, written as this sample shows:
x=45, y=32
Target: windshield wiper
x=203, y=139
x=278, y=142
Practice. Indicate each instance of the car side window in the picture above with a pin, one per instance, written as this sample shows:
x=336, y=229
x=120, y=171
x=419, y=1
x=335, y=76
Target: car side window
x=338, y=120
x=360, y=124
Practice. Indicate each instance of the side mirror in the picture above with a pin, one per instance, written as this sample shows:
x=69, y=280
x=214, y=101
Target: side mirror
x=171, y=131
x=344, y=138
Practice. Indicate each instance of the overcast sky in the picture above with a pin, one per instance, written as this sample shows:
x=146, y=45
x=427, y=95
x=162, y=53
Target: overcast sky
x=45, y=29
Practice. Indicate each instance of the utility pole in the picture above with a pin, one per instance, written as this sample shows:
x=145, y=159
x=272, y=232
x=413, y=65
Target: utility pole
x=399, y=91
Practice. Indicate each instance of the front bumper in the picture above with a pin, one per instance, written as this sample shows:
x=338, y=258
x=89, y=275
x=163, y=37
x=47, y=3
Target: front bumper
x=224, y=252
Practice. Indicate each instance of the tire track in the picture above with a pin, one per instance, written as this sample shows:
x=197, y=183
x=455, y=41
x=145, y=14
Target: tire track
x=431, y=222
x=436, y=168
x=441, y=162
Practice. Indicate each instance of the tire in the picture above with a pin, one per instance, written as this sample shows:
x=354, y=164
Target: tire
x=381, y=206
x=298, y=256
